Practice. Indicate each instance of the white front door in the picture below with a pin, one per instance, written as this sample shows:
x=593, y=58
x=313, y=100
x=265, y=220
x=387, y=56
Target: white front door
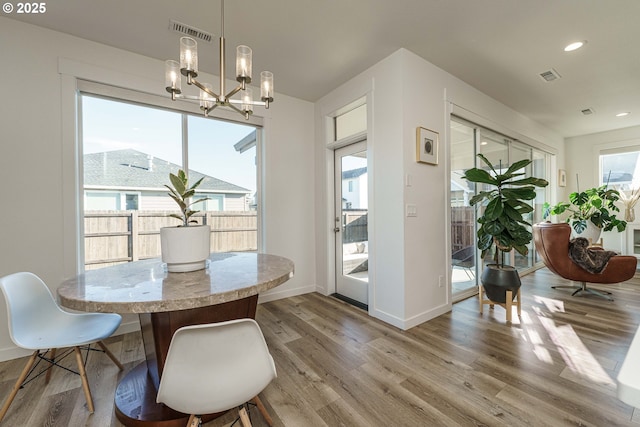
x=351, y=221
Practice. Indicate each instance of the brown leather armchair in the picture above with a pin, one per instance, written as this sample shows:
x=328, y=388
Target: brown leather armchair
x=552, y=244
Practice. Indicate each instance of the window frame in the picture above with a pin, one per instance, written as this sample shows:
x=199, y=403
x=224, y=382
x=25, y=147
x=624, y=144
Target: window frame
x=611, y=151
x=117, y=94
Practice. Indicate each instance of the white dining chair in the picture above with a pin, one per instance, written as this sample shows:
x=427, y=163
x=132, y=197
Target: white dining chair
x=37, y=323
x=216, y=367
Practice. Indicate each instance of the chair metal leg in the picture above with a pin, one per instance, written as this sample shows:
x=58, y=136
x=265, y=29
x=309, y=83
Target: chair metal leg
x=583, y=287
x=18, y=384
x=111, y=356
x=244, y=417
x=566, y=287
x=256, y=401
x=603, y=294
x=83, y=377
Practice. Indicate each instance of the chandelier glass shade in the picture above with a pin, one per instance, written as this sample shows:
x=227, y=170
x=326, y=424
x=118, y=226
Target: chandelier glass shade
x=188, y=67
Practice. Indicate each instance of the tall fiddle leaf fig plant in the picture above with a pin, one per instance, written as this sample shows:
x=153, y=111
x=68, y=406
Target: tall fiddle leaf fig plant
x=502, y=222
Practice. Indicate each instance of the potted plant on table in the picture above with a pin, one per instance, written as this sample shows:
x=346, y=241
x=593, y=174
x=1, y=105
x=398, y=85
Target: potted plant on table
x=185, y=247
x=590, y=212
x=502, y=223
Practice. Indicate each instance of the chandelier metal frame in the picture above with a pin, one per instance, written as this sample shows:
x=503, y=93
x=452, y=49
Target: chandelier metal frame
x=209, y=100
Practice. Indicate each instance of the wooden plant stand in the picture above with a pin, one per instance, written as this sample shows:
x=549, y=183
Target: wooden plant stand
x=507, y=305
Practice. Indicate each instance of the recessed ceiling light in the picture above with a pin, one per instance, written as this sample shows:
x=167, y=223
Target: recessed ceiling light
x=484, y=143
x=574, y=46
x=626, y=113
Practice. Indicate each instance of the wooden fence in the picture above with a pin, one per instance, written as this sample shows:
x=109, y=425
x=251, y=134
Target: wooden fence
x=114, y=237
x=462, y=223
x=354, y=225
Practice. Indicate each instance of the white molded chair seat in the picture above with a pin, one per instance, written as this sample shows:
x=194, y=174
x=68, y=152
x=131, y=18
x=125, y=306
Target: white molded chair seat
x=36, y=322
x=216, y=367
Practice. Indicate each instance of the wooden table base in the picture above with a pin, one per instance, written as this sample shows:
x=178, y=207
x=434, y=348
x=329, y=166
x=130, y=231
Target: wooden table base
x=135, y=403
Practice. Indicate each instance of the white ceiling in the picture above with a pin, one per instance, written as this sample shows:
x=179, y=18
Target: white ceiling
x=313, y=46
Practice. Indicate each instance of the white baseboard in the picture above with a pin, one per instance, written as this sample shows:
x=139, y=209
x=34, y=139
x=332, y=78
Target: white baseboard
x=409, y=323
x=125, y=328
x=426, y=316
x=13, y=353
x=274, y=294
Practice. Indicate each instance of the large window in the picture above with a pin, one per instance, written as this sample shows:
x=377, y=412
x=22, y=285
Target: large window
x=620, y=168
x=128, y=151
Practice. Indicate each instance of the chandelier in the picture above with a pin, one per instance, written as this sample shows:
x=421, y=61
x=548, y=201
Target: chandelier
x=188, y=67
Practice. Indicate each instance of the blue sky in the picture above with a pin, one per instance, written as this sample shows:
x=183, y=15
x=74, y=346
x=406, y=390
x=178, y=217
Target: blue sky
x=111, y=125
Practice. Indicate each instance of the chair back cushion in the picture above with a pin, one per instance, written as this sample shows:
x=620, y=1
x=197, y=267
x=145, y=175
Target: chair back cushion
x=36, y=322
x=552, y=244
x=30, y=305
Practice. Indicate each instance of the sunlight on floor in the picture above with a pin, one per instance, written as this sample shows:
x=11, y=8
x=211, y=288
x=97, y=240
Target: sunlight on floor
x=576, y=355
x=539, y=350
x=553, y=305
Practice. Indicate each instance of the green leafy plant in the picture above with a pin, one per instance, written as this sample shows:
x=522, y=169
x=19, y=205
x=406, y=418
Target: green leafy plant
x=502, y=223
x=181, y=194
x=595, y=204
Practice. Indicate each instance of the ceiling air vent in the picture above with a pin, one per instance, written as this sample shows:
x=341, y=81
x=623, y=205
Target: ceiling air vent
x=550, y=75
x=190, y=31
x=587, y=111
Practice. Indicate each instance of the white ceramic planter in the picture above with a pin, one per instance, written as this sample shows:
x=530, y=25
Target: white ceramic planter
x=591, y=233
x=185, y=248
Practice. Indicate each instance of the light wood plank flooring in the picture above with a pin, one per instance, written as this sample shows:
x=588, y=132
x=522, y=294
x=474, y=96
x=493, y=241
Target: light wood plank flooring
x=556, y=366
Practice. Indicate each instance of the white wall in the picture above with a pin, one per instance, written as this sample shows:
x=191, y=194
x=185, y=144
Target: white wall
x=409, y=257
x=403, y=92
x=37, y=164
x=583, y=160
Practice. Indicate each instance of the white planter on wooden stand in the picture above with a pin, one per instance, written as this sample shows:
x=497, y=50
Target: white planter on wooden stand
x=185, y=248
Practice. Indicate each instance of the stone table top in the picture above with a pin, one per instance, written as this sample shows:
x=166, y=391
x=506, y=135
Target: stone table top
x=146, y=286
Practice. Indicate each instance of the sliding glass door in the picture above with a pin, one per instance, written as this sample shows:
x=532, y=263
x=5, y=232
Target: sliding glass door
x=467, y=139
x=463, y=247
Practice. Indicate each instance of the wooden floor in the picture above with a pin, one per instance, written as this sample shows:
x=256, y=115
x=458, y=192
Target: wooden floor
x=556, y=366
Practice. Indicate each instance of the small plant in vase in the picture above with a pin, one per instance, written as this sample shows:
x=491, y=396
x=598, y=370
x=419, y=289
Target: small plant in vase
x=181, y=193
x=629, y=201
x=185, y=247
x=590, y=212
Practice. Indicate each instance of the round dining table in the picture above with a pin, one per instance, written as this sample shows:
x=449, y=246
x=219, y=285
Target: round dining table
x=226, y=290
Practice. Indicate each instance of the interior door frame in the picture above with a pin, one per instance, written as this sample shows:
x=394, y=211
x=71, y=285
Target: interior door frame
x=329, y=109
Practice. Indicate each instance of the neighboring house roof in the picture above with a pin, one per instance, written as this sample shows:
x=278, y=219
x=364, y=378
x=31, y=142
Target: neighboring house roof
x=134, y=169
x=354, y=173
